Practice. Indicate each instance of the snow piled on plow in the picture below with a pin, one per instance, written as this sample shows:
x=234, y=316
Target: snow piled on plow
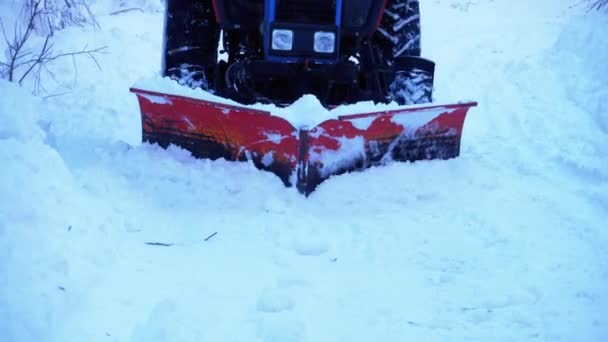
x=306, y=112
x=413, y=121
x=331, y=160
x=103, y=238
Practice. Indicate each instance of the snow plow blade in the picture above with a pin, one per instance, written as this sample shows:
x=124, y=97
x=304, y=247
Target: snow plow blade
x=303, y=157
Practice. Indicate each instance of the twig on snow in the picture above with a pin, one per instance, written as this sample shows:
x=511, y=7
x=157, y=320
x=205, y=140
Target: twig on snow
x=210, y=236
x=128, y=10
x=160, y=244
x=49, y=97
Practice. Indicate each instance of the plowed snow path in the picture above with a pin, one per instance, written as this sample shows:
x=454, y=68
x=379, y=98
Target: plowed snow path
x=105, y=239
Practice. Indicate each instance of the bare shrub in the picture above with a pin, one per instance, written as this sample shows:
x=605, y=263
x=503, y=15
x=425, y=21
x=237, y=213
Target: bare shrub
x=23, y=61
x=56, y=15
x=599, y=4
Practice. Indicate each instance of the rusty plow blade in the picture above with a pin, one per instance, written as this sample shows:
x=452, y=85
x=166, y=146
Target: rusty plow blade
x=303, y=157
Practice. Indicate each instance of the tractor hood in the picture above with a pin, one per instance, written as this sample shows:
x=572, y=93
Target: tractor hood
x=360, y=17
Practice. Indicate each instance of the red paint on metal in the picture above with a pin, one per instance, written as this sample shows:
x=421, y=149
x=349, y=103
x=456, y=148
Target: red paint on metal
x=381, y=14
x=216, y=10
x=349, y=142
x=240, y=130
x=384, y=128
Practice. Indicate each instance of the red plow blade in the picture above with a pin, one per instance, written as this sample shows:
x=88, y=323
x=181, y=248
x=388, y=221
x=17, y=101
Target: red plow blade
x=302, y=157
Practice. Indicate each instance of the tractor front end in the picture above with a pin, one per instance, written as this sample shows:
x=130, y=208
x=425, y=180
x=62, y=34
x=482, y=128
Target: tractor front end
x=343, y=52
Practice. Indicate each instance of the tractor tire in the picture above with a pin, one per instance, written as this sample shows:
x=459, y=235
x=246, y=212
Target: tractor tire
x=398, y=38
x=400, y=28
x=413, y=82
x=191, y=37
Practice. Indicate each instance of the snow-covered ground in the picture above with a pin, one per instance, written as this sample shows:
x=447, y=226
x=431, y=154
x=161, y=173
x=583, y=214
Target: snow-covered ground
x=508, y=242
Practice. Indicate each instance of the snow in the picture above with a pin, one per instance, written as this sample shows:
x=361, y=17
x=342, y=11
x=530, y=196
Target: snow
x=332, y=160
x=508, y=242
x=274, y=137
x=157, y=99
x=362, y=123
x=413, y=121
x=305, y=112
x=268, y=159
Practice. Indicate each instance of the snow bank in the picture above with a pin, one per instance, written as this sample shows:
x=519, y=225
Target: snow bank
x=580, y=52
x=102, y=240
x=116, y=7
x=20, y=114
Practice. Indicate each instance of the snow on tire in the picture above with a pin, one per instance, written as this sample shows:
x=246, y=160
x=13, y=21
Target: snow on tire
x=190, y=42
x=412, y=87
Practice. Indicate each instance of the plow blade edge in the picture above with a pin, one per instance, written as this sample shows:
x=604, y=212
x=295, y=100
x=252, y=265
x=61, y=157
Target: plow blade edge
x=303, y=157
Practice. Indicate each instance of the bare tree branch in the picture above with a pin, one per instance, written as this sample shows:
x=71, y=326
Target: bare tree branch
x=599, y=4
x=4, y=33
x=19, y=39
x=46, y=56
x=92, y=17
x=34, y=62
x=38, y=60
x=81, y=52
x=128, y=10
x=75, y=66
x=56, y=95
x=59, y=15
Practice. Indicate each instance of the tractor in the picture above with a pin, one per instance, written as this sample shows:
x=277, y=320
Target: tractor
x=343, y=52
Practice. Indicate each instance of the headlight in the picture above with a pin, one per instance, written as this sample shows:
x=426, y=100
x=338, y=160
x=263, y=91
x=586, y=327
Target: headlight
x=325, y=42
x=282, y=40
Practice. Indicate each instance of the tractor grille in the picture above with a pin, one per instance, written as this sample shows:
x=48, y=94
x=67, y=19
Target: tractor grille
x=306, y=11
